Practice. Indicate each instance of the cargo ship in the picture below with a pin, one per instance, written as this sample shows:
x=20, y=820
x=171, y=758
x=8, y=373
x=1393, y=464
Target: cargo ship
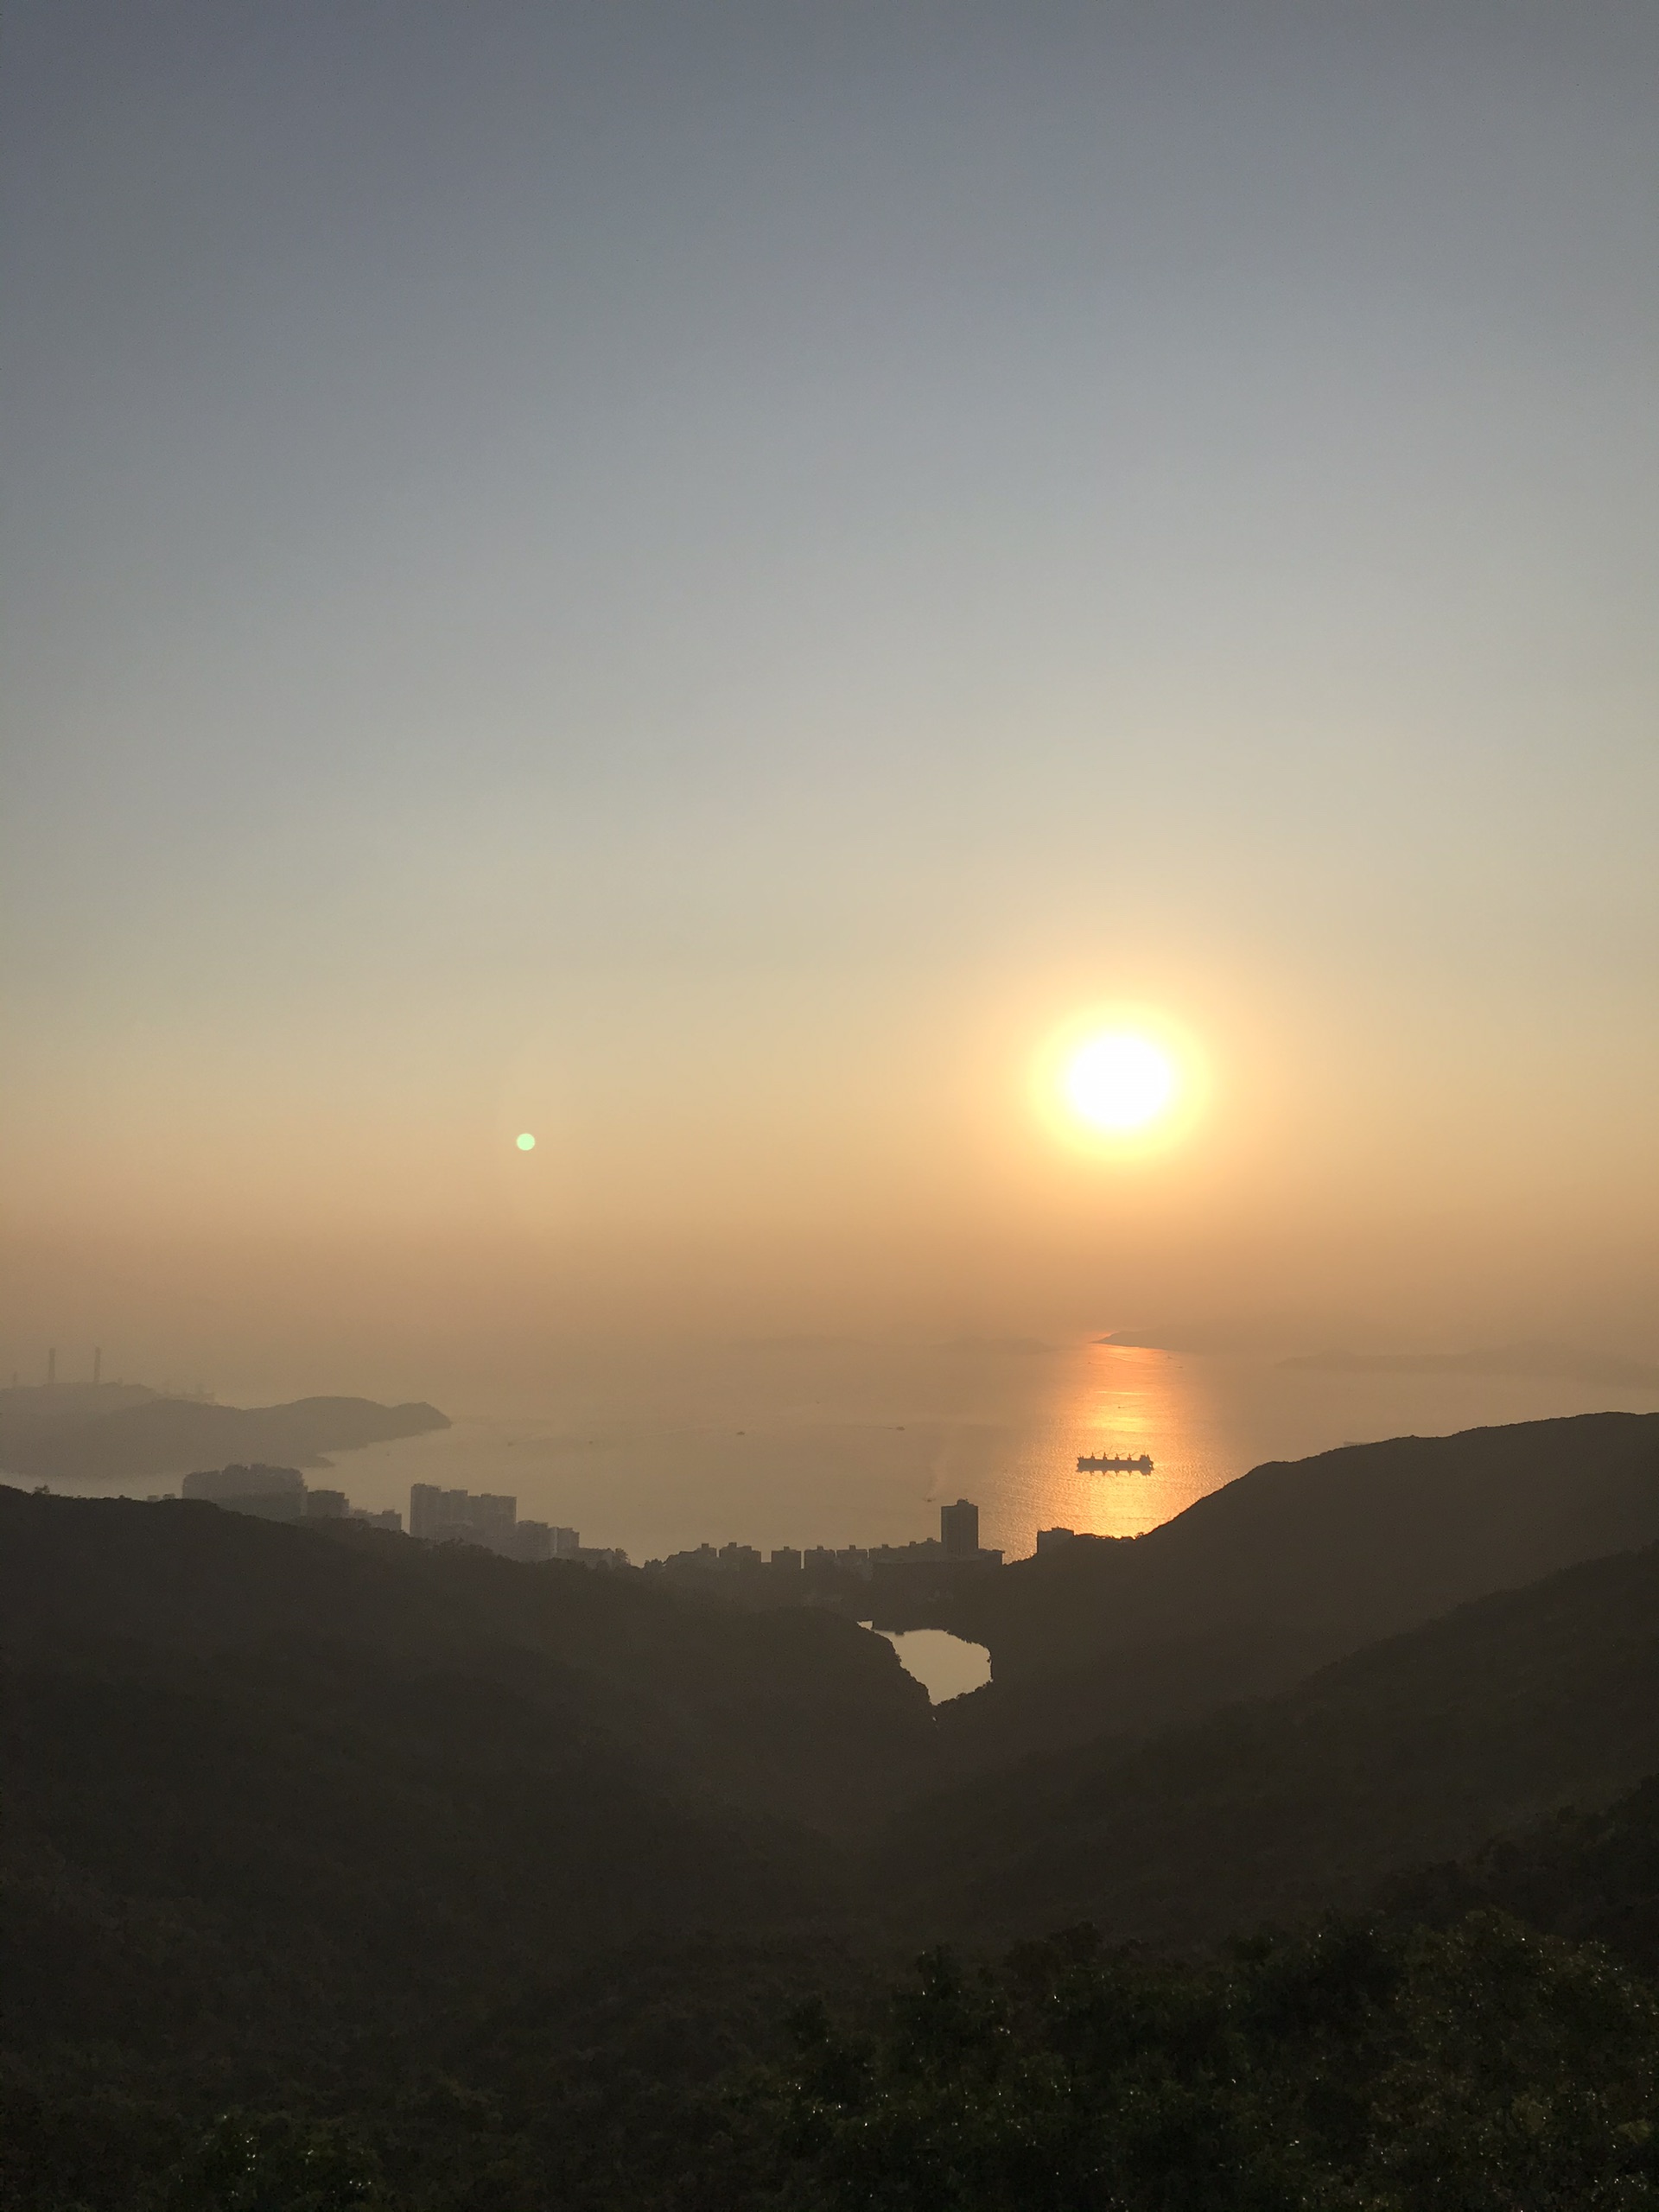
x=1114, y=1466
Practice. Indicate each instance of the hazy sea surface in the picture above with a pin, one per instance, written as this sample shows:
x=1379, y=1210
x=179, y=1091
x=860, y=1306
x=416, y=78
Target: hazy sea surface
x=842, y=1443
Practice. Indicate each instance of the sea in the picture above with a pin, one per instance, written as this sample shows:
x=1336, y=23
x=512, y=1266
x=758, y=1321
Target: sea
x=802, y=1442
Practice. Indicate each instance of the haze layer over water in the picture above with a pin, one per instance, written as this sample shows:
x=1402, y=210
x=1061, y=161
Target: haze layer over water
x=845, y=1443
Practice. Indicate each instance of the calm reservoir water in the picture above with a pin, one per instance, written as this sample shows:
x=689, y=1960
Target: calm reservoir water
x=853, y=1444
x=946, y=1666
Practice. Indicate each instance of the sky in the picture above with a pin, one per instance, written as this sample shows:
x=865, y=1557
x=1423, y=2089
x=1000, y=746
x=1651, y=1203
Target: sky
x=699, y=581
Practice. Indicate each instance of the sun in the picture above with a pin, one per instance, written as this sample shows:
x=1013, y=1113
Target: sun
x=1119, y=1083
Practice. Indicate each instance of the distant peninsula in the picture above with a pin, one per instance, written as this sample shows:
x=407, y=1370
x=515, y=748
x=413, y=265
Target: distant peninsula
x=120, y=1433
x=1546, y=1363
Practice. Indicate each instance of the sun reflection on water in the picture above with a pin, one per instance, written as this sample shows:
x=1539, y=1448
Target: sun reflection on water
x=1119, y=1401
x=854, y=1443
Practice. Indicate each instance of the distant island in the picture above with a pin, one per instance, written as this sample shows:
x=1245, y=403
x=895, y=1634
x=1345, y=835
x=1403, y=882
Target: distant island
x=122, y=1433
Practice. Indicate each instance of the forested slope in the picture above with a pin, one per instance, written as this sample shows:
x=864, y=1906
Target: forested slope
x=271, y=1791
x=481, y=1884
x=1418, y=1747
x=1289, y=1567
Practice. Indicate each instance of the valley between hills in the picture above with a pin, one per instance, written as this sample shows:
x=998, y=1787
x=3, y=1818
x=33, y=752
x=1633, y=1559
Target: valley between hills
x=492, y=1882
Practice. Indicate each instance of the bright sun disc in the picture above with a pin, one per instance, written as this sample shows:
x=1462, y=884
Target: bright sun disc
x=526, y=1144
x=1119, y=1083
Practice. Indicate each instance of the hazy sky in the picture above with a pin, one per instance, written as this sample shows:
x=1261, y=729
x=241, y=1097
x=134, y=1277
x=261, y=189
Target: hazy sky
x=696, y=579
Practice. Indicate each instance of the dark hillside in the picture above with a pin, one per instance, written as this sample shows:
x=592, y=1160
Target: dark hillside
x=257, y=1862
x=1417, y=1748
x=280, y=1799
x=1289, y=1567
x=499, y=1868
x=801, y=1713
x=1591, y=1876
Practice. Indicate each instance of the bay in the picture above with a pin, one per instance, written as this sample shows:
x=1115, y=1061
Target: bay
x=661, y=1448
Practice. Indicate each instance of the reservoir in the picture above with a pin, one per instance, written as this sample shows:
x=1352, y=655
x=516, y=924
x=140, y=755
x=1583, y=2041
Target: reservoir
x=946, y=1666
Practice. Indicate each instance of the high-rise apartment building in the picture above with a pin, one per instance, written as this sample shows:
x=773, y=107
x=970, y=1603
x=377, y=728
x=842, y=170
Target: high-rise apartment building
x=959, y=1529
x=268, y=1493
x=458, y=1516
x=432, y=1510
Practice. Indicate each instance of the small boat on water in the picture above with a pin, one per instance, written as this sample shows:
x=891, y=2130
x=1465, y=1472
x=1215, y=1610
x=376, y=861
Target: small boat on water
x=1112, y=1466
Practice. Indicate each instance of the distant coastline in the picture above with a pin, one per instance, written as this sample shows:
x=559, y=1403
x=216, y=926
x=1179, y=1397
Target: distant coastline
x=1548, y=1363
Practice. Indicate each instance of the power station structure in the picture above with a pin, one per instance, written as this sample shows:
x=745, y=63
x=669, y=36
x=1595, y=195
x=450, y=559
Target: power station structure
x=51, y=1376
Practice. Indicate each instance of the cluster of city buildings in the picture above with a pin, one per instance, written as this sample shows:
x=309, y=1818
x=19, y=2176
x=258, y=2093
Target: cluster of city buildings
x=440, y=1517
x=280, y=1494
x=956, y=1545
x=460, y=1516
